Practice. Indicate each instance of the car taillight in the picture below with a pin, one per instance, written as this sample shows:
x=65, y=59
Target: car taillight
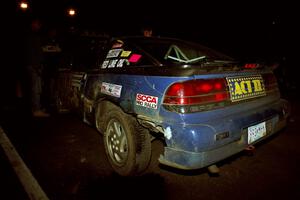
x=250, y=65
x=201, y=94
x=270, y=82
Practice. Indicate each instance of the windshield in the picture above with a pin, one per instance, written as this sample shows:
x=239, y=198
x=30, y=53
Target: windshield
x=168, y=51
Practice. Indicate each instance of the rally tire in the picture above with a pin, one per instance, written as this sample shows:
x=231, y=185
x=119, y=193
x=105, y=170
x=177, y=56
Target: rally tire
x=127, y=144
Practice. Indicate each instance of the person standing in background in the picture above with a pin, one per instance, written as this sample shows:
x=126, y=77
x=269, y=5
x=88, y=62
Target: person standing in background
x=147, y=31
x=52, y=53
x=34, y=65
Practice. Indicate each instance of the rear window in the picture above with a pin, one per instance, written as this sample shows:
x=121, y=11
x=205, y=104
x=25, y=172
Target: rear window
x=168, y=51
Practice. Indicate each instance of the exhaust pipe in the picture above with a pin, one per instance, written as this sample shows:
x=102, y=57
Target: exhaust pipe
x=213, y=169
x=250, y=150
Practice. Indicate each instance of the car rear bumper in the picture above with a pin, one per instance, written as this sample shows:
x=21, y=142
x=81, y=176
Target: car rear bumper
x=185, y=159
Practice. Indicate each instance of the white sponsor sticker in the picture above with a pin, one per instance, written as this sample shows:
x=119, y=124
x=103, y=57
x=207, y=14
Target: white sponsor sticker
x=111, y=89
x=121, y=63
x=113, y=53
x=105, y=64
x=112, y=63
x=146, y=101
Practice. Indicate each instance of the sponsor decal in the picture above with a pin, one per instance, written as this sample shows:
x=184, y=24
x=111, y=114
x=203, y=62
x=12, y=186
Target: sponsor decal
x=112, y=63
x=121, y=62
x=146, y=101
x=111, y=89
x=125, y=53
x=241, y=88
x=113, y=53
x=105, y=64
x=134, y=58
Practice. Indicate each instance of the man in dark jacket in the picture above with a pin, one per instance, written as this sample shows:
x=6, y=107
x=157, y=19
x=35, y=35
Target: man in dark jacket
x=34, y=60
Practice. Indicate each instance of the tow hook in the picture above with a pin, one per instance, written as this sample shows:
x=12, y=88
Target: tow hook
x=250, y=150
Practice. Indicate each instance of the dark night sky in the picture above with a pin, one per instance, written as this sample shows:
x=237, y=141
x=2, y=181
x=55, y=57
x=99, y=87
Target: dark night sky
x=254, y=27
x=243, y=29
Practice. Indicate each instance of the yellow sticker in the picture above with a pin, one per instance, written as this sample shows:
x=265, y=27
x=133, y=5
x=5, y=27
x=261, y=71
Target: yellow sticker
x=125, y=53
x=241, y=88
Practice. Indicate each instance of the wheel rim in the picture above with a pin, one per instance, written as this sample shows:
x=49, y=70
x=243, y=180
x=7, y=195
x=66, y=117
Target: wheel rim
x=116, y=141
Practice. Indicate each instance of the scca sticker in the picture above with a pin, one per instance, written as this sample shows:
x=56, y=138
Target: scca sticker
x=146, y=101
x=242, y=88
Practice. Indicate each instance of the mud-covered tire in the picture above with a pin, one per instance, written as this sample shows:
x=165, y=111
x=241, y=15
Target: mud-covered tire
x=127, y=144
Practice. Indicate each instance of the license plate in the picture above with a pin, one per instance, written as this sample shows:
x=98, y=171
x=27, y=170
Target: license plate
x=256, y=132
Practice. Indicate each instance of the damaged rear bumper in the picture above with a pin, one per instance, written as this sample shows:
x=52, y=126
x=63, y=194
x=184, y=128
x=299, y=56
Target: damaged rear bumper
x=194, y=160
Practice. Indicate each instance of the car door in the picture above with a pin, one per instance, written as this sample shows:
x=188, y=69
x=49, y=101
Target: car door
x=80, y=57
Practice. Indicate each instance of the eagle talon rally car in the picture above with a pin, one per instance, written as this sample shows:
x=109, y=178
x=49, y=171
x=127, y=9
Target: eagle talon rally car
x=204, y=104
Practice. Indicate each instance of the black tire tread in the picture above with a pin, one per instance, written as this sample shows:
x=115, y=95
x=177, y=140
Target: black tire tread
x=142, y=144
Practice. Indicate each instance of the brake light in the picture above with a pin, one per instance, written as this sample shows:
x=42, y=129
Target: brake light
x=270, y=81
x=197, y=92
x=250, y=65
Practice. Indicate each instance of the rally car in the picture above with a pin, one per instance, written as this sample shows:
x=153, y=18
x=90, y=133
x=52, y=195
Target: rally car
x=204, y=104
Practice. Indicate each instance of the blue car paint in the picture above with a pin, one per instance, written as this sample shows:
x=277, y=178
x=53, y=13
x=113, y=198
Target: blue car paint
x=200, y=136
x=192, y=134
x=190, y=137
x=192, y=160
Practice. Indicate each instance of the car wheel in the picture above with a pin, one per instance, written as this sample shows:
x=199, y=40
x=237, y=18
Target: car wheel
x=127, y=144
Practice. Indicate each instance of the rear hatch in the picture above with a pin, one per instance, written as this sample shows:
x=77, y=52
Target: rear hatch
x=221, y=87
x=199, y=78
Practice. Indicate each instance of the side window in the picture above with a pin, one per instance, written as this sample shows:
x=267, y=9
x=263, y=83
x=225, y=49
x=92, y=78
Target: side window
x=83, y=53
x=101, y=52
x=123, y=55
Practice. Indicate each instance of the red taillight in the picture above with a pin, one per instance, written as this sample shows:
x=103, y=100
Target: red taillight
x=250, y=66
x=193, y=92
x=270, y=81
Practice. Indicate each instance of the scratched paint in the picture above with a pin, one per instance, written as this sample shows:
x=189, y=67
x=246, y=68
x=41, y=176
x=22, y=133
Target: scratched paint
x=168, y=133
